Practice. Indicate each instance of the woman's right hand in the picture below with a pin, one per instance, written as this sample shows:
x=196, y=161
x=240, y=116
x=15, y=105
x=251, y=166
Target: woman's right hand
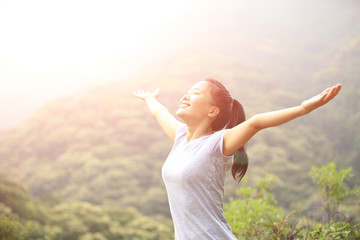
x=167, y=121
x=143, y=95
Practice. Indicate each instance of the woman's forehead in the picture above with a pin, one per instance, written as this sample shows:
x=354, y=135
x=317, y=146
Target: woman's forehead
x=200, y=85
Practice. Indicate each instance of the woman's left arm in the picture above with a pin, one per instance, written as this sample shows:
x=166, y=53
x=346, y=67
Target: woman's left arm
x=239, y=135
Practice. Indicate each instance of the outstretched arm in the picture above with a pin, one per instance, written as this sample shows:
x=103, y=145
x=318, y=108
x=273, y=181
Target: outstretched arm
x=242, y=133
x=166, y=121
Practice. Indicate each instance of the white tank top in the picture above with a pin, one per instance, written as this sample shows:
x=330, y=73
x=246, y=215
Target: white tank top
x=194, y=174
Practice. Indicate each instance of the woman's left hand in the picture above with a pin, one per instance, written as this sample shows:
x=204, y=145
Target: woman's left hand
x=320, y=99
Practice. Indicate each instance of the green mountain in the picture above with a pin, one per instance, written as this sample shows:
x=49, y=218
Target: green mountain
x=102, y=146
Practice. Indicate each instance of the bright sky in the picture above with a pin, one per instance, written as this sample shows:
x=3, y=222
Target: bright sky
x=51, y=48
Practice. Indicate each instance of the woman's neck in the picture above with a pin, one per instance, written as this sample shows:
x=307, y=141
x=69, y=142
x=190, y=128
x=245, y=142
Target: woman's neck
x=198, y=131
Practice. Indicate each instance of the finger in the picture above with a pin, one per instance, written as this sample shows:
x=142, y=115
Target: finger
x=137, y=92
x=333, y=92
x=320, y=97
x=329, y=95
x=326, y=90
x=157, y=92
x=137, y=95
x=338, y=88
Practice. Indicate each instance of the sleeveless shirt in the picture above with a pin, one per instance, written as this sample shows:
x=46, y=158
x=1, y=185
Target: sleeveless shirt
x=194, y=174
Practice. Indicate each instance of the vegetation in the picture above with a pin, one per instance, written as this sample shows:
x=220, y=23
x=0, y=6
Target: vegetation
x=332, y=188
x=100, y=150
x=256, y=215
x=25, y=218
x=88, y=166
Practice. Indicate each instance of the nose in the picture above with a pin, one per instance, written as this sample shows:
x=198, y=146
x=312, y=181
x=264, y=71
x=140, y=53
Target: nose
x=185, y=97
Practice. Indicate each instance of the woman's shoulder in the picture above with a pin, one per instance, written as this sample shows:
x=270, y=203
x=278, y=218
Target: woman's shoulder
x=181, y=128
x=180, y=131
x=220, y=133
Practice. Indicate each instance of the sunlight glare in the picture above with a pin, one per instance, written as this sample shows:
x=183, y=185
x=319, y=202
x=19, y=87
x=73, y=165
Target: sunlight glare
x=72, y=38
x=51, y=48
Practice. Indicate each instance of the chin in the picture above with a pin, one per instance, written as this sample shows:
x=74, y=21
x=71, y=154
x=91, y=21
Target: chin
x=180, y=113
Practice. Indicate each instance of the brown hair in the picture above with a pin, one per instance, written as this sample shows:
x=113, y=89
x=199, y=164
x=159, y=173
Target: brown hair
x=231, y=114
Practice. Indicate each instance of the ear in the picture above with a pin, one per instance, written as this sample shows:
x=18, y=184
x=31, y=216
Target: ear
x=213, y=112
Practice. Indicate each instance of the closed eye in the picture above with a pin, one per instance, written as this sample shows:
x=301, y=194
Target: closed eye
x=189, y=93
x=193, y=92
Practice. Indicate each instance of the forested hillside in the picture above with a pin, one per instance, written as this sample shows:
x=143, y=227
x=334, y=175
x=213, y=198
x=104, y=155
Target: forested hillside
x=101, y=146
x=23, y=217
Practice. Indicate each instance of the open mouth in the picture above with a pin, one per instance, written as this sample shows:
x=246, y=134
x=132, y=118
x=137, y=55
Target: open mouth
x=184, y=105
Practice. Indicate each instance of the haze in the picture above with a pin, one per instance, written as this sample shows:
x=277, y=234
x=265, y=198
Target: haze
x=51, y=49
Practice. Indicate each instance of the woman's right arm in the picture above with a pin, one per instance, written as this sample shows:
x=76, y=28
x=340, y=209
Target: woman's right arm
x=166, y=120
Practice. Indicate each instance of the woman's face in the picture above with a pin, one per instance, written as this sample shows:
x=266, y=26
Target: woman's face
x=196, y=103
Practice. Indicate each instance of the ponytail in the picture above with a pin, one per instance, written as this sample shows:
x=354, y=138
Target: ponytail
x=240, y=164
x=231, y=114
x=241, y=161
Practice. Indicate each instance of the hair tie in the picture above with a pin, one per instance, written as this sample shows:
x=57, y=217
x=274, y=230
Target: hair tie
x=232, y=102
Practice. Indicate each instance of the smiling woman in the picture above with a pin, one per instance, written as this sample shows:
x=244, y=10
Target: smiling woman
x=194, y=171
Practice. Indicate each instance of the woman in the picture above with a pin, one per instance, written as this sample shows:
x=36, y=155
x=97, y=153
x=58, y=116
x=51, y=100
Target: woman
x=214, y=133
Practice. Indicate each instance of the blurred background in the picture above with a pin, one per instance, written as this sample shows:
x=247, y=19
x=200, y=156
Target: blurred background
x=73, y=137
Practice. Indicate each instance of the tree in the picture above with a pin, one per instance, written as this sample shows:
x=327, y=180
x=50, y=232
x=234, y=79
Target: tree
x=9, y=228
x=332, y=185
x=256, y=215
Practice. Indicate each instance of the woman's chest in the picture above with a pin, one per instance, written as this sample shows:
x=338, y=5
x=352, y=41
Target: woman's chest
x=188, y=162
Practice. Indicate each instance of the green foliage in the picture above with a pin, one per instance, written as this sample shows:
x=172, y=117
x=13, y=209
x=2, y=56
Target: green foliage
x=332, y=185
x=256, y=215
x=94, y=149
x=9, y=228
x=33, y=230
x=340, y=230
x=74, y=221
x=103, y=147
x=15, y=199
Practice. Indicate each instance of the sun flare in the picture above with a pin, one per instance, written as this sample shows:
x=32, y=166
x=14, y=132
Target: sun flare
x=65, y=40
